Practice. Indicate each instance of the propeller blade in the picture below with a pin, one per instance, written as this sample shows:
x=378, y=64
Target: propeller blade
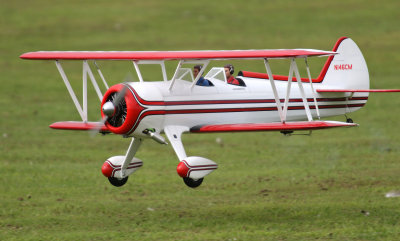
x=120, y=95
x=99, y=125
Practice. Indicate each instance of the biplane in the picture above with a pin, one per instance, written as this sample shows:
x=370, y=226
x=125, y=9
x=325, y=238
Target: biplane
x=260, y=102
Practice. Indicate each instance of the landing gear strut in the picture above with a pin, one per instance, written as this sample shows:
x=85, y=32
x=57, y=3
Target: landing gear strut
x=117, y=182
x=192, y=183
x=192, y=169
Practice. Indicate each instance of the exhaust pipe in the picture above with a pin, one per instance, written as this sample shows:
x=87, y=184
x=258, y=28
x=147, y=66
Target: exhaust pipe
x=155, y=136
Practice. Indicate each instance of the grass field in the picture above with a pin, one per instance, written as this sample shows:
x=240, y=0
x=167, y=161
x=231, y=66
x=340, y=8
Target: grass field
x=330, y=186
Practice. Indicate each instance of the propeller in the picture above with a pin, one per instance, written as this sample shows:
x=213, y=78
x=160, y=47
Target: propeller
x=115, y=108
x=114, y=111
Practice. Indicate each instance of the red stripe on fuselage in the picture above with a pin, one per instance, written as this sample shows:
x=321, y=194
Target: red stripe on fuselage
x=146, y=112
x=255, y=101
x=224, y=110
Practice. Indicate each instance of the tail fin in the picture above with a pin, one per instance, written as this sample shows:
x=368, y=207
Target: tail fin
x=347, y=69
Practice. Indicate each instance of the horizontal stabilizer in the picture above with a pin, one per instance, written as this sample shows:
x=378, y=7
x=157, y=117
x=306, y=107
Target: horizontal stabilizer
x=352, y=90
x=79, y=126
x=288, y=126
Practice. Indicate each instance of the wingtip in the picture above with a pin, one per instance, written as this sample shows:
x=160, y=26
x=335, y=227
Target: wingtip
x=23, y=56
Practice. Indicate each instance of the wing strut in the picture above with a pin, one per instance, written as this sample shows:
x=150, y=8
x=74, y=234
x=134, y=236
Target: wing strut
x=277, y=100
x=160, y=62
x=164, y=71
x=71, y=92
x=88, y=71
x=137, y=71
x=288, y=89
x=175, y=74
x=101, y=75
x=312, y=89
x=303, y=95
x=83, y=111
x=293, y=69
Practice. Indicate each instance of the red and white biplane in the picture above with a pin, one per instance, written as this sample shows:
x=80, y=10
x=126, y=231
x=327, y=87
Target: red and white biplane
x=261, y=102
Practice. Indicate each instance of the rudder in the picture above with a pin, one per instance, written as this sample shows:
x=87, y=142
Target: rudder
x=347, y=69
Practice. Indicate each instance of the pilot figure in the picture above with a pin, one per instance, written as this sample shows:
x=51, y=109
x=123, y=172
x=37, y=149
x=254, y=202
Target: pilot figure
x=201, y=81
x=229, y=70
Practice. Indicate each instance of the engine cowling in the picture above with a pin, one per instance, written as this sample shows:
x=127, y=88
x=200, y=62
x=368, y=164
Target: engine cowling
x=126, y=112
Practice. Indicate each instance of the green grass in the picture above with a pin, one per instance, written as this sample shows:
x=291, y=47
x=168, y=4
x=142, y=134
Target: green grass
x=267, y=187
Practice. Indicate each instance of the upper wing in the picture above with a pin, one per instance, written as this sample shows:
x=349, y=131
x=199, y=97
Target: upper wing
x=288, y=126
x=171, y=55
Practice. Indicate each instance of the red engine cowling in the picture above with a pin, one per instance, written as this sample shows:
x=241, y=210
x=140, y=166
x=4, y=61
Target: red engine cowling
x=126, y=112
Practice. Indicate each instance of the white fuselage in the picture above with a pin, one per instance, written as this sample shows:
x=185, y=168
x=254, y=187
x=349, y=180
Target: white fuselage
x=224, y=103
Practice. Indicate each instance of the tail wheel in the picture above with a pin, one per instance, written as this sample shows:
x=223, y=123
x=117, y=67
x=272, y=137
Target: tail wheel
x=192, y=183
x=117, y=182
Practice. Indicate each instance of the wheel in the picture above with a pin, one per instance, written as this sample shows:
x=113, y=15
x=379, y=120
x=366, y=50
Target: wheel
x=192, y=183
x=117, y=182
x=349, y=120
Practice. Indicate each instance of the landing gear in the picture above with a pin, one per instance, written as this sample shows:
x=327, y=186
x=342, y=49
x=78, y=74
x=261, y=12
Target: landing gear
x=191, y=182
x=122, y=166
x=117, y=182
x=348, y=120
x=192, y=169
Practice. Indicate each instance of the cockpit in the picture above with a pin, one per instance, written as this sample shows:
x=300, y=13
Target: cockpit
x=216, y=74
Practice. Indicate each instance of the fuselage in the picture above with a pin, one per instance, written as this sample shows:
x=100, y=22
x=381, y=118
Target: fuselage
x=157, y=106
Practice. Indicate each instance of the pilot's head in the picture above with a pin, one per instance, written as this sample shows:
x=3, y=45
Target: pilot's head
x=196, y=70
x=229, y=70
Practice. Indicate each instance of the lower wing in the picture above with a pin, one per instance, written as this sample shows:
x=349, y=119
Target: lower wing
x=288, y=126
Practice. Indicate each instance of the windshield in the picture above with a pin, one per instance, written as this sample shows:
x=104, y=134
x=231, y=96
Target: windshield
x=185, y=74
x=216, y=73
